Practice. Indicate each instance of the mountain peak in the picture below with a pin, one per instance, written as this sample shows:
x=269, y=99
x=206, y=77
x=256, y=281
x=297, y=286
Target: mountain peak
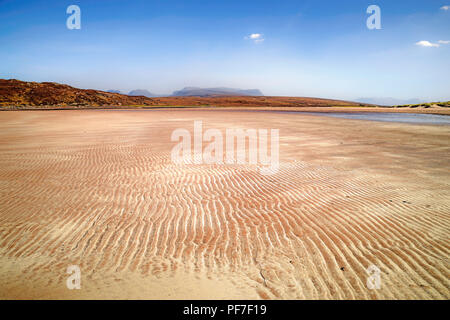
x=141, y=92
x=219, y=91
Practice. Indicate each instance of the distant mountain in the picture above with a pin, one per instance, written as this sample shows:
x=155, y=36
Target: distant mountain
x=207, y=92
x=389, y=101
x=141, y=92
x=114, y=91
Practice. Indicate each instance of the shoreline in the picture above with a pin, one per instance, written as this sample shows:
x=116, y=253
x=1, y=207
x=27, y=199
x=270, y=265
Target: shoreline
x=334, y=109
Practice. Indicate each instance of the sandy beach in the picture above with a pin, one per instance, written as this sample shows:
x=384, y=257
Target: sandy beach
x=98, y=189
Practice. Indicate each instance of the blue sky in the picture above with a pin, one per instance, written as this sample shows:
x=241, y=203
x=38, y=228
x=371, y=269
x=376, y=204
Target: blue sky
x=304, y=48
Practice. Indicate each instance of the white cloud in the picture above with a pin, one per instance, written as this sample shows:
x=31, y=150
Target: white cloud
x=444, y=41
x=445, y=8
x=425, y=43
x=255, y=37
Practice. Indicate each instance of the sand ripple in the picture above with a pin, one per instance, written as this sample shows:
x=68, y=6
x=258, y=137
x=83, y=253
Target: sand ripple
x=116, y=204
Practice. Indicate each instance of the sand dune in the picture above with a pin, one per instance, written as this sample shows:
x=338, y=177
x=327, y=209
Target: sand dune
x=98, y=189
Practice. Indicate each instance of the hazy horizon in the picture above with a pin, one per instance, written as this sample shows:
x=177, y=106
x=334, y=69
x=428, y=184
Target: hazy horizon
x=287, y=48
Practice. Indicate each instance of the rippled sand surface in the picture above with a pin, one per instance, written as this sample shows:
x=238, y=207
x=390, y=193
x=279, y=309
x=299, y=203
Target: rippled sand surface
x=98, y=189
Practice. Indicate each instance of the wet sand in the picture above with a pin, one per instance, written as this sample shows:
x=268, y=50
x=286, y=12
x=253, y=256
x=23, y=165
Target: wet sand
x=98, y=189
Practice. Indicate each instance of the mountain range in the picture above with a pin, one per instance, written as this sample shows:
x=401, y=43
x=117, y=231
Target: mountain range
x=195, y=92
x=389, y=101
x=20, y=94
x=209, y=92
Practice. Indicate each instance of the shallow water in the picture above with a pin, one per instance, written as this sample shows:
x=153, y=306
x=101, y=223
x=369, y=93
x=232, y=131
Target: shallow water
x=387, y=117
x=414, y=118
